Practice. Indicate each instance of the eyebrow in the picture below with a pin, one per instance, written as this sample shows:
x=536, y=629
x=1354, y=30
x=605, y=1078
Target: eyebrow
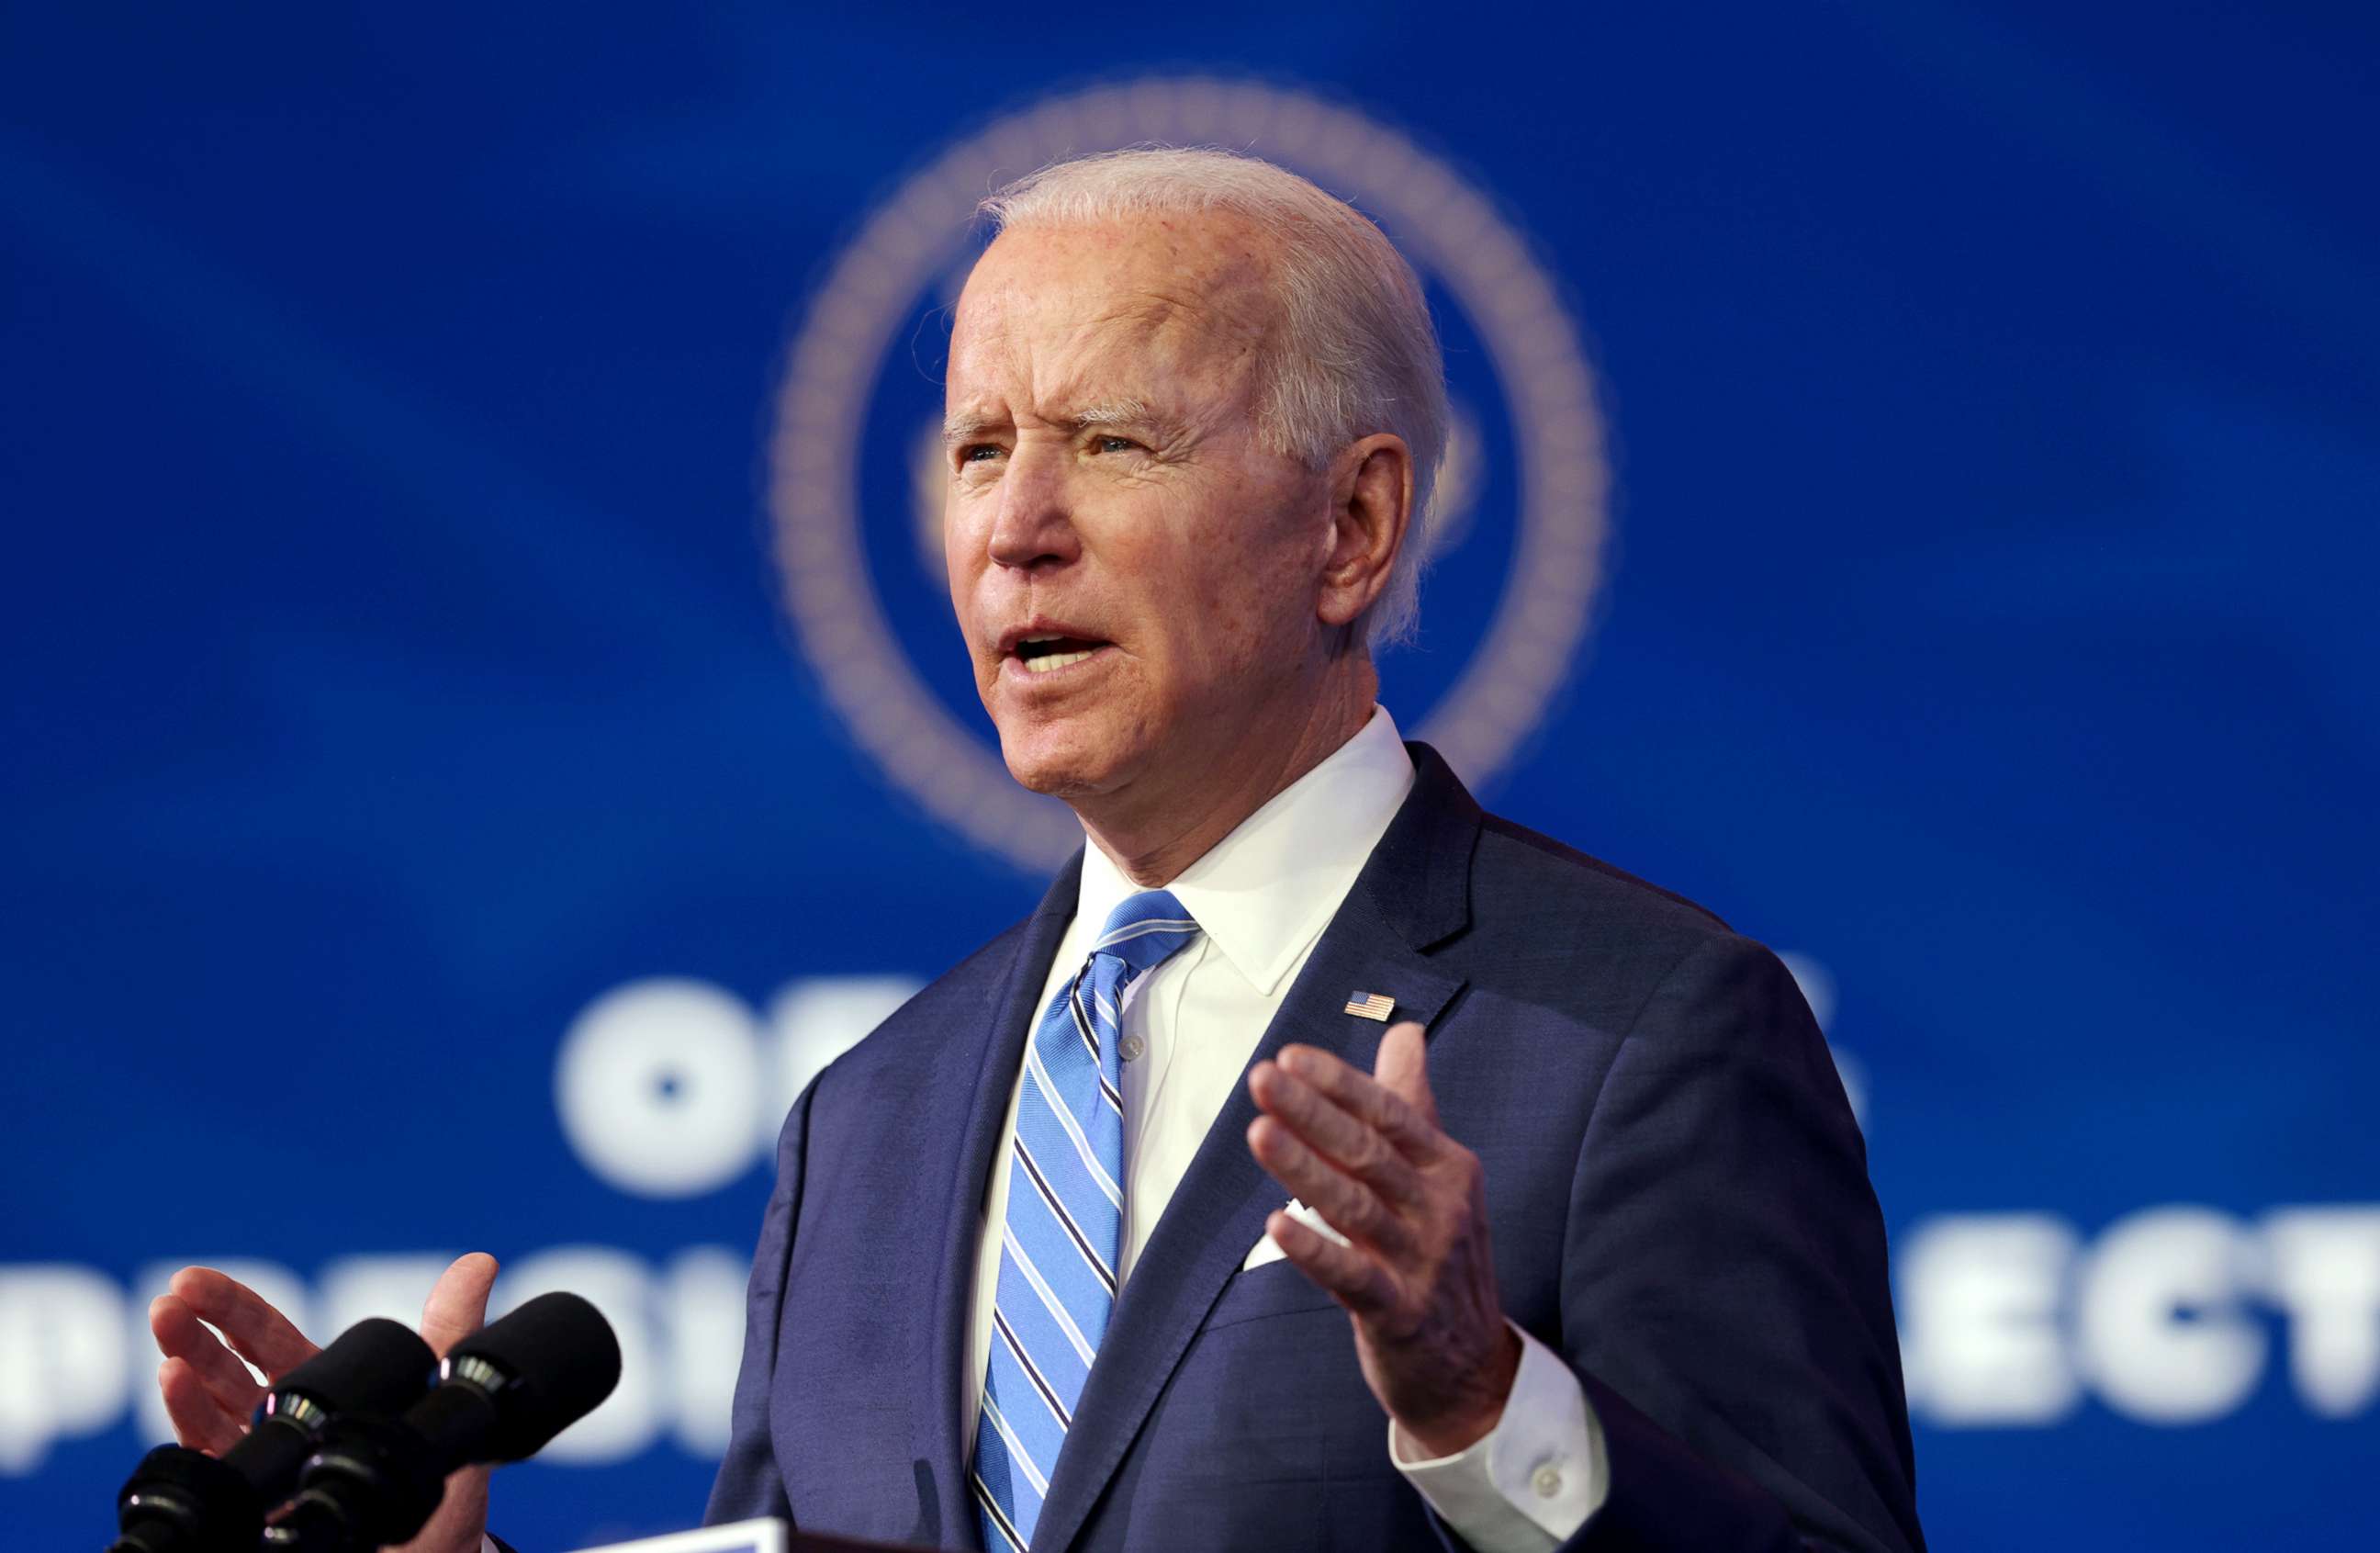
x=967, y=426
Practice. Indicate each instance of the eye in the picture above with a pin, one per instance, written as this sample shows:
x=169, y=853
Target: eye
x=978, y=453
x=1112, y=443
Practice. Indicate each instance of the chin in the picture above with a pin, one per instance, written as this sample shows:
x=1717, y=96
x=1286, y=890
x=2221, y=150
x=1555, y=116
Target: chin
x=1063, y=761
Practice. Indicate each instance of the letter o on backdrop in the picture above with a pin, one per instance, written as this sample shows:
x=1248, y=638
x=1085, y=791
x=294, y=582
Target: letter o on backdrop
x=656, y=1084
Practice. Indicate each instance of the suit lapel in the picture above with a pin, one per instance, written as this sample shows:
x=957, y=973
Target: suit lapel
x=1413, y=894
x=947, y=1265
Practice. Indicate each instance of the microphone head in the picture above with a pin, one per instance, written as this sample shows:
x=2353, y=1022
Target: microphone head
x=557, y=1359
x=376, y=1365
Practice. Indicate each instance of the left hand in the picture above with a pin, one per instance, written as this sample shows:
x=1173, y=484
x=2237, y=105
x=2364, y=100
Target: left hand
x=1367, y=1153
x=208, y=1392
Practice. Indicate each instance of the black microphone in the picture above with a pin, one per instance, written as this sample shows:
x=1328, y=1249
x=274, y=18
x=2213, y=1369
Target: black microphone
x=503, y=1393
x=181, y=1500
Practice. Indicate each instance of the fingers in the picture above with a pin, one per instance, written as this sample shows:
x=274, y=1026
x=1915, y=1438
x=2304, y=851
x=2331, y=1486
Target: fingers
x=1353, y=1148
x=1406, y=1119
x=1402, y=1066
x=457, y=1306
x=1352, y=1144
x=209, y=1363
x=200, y=1420
x=1346, y=1274
x=256, y=1331
x=1347, y=1205
x=209, y=1393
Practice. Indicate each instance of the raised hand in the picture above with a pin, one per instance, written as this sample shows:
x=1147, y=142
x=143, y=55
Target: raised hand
x=210, y=1394
x=1367, y=1153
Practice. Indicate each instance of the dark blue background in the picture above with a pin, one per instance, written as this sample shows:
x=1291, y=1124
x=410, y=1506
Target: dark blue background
x=395, y=663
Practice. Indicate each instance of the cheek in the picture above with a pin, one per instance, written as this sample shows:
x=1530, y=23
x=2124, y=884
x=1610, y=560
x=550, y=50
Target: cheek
x=957, y=547
x=1224, y=594
x=963, y=558
x=1265, y=584
x=1229, y=620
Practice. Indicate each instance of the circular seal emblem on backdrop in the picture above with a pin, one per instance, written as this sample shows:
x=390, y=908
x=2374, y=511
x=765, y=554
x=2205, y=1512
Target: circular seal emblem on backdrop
x=1517, y=534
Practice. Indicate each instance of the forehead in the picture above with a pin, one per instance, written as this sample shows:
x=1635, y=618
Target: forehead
x=1051, y=312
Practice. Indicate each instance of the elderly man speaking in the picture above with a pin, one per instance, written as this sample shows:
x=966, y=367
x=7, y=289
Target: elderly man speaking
x=1325, y=1164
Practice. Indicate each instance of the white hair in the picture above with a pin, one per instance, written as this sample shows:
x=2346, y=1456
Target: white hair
x=1356, y=352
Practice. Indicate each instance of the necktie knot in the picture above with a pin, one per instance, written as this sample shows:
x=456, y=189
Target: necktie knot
x=1144, y=930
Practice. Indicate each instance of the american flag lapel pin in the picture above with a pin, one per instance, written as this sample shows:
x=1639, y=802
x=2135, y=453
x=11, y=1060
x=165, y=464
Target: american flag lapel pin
x=1371, y=1005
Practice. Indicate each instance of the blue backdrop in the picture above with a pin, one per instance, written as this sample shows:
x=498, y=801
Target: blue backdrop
x=476, y=711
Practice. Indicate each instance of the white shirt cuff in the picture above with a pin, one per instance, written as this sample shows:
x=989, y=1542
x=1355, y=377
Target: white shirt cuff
x=1533, y=1481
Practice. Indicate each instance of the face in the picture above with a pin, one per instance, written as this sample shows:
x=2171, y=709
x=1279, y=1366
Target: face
x=1134, y=573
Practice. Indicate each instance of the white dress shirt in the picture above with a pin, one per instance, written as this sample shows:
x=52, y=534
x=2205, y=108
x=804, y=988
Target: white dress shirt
x=1262, y=897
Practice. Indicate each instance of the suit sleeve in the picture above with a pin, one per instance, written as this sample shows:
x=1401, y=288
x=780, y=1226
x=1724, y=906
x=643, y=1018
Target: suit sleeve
x=1725, y=1298
x=750, y=1484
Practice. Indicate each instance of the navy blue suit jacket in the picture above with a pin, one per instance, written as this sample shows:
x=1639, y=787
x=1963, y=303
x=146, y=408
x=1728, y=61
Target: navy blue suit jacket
x=1679, y=1201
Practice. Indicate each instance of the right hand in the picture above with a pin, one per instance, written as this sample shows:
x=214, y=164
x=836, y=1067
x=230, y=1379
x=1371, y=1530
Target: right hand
x=210, y=1394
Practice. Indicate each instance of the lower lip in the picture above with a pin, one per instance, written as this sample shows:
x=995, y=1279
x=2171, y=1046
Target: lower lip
x=1014, y=670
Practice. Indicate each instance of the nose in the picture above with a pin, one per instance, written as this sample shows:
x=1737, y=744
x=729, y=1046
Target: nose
x=1032, y=531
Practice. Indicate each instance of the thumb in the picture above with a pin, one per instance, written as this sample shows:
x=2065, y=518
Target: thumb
x=457, y=1306
x=1402, y=1066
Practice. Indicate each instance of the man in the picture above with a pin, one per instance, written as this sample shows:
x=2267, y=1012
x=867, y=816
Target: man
x=1311, y=1094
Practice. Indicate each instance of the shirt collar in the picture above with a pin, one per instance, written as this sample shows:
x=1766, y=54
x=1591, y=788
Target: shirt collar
x=1264, y=894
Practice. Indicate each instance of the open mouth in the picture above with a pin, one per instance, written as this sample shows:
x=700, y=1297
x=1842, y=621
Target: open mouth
x=1043, y=655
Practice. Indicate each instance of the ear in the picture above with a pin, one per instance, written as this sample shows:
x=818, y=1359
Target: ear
x=1371, y=507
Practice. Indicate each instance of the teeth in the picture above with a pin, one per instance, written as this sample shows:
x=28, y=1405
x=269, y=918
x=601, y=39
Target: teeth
x=1052, y=660
x=1043, y=640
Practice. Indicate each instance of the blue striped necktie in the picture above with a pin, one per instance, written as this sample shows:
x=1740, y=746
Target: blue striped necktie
x=1064, y=1222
